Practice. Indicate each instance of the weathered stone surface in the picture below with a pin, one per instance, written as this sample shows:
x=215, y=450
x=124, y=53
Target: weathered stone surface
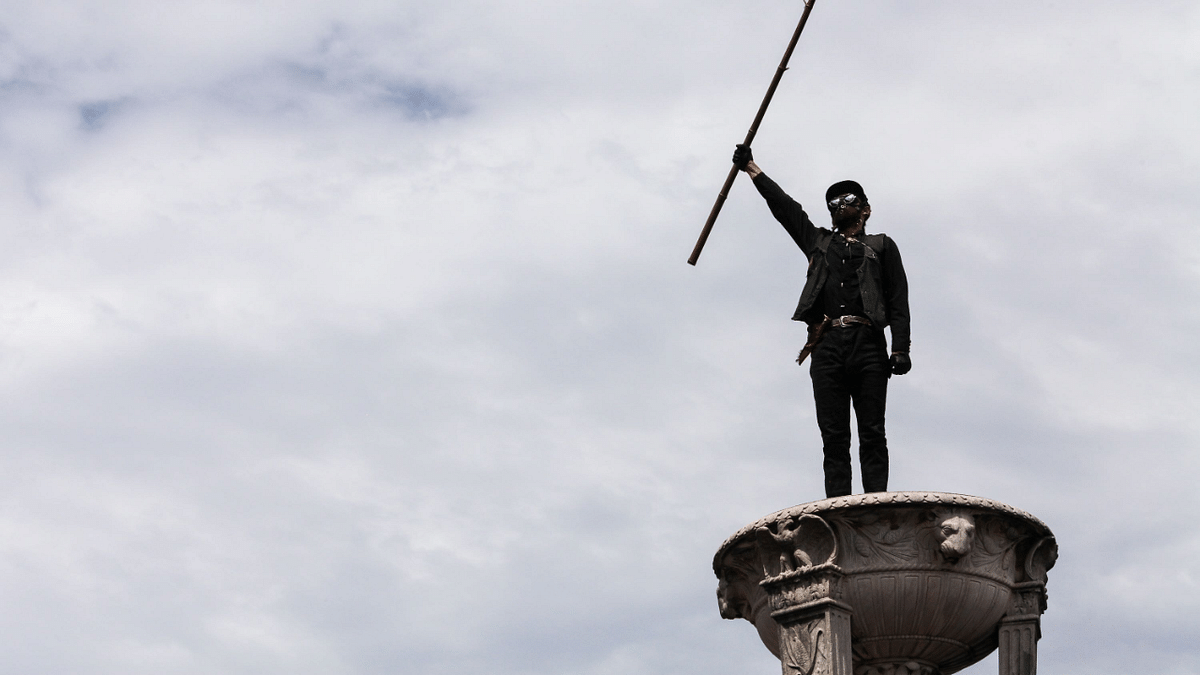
x=892, y=583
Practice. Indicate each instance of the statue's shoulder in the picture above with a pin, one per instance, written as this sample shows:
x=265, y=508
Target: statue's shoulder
x=877, y=242
x=824, y=236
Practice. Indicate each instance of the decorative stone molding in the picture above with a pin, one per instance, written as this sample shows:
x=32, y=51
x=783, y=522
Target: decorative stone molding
x=894, y=583
x=906, y=668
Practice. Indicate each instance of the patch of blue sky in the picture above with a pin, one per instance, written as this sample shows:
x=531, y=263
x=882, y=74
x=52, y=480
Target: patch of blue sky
x=18, y=85
x=95, y=114
x=289, y=88
x=419, y=102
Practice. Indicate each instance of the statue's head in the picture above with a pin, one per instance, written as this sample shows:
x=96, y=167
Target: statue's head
x=848, y=206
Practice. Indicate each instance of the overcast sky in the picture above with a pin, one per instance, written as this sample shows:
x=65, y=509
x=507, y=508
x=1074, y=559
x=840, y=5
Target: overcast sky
x=357, y=337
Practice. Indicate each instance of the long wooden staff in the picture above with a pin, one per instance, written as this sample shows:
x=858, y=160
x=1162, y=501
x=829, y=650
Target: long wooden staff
x=762, y=110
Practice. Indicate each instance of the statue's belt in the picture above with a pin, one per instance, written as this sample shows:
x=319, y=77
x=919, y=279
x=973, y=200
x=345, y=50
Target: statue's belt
x=817, y=331
x=846, y=321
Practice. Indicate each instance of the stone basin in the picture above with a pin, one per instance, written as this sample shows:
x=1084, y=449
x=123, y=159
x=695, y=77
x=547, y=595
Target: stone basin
x=890, y=583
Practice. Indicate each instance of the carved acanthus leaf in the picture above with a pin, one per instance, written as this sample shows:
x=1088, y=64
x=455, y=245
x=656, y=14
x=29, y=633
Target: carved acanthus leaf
x=880, y=540
x=805, y=649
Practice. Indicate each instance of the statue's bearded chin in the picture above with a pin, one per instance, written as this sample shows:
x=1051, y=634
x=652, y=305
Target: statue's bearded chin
x=845, y=218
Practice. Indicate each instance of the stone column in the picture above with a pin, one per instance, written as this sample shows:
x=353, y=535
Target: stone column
x=1020, y=629
x=814, y=625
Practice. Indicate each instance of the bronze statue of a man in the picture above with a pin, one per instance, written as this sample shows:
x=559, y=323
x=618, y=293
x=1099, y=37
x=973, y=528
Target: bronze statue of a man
x=856, y=286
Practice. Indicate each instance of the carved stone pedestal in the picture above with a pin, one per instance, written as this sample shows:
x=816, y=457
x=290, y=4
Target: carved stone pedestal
x=891, y=583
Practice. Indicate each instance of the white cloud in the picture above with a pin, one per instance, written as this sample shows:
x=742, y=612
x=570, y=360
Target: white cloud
x=357, y=338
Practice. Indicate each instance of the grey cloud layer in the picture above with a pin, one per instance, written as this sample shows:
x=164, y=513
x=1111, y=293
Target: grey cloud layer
x=357, y=338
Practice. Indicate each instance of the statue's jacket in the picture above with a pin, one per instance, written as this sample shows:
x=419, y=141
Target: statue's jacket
x=881, y=280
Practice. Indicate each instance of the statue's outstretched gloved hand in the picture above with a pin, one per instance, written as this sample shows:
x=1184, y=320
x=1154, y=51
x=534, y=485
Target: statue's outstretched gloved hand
x=742, y=156
x=901, y=364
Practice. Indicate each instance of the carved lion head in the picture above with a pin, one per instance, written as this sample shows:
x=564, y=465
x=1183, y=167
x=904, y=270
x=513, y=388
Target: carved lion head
x=956, y=535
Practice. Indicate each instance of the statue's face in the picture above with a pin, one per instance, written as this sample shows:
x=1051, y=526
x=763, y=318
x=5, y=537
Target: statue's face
x=845, y=211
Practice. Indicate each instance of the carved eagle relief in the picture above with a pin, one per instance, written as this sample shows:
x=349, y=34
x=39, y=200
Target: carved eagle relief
x=794, y=544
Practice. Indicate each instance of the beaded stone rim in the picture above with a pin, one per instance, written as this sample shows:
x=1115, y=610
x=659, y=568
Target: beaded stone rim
x=876, y=499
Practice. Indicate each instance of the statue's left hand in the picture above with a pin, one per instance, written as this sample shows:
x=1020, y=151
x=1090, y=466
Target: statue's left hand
x=901, y=364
